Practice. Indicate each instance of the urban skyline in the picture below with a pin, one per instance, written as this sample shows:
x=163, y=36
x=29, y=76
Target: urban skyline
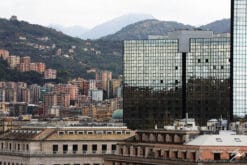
x=181, y=99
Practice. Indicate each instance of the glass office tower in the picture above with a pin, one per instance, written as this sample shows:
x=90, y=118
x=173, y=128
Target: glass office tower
x=239, y=56
x=152, y=82
x=186, y=72
x=208, y=79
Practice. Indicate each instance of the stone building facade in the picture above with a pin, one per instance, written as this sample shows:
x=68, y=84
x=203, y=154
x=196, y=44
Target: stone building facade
x=60, y=146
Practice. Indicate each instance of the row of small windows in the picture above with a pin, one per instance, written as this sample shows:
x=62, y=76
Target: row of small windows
x=25, y=131
x=94, y=148
x=207, y=60
x=14, y=146
x=9, y=163
x=93, y=132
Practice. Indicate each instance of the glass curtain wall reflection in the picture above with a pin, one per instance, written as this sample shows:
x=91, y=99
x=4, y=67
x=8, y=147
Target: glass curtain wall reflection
x=162, y=82
x=208, y=79
x=239, y=25
x=152, y=82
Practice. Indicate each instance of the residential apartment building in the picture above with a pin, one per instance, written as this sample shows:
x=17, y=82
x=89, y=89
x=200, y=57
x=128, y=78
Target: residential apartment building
x=72, y=90
x=13, y=61
x=103, y=77
x=96, y=94
x=34, y=93
x=60, y=100
x=4, y=54
x=50, y=74
x=39, y=67
x=24, y=65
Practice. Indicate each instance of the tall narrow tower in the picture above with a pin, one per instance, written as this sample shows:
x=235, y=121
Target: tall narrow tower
x=239, y=58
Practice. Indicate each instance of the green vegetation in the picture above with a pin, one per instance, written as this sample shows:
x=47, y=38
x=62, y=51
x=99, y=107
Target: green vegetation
x=69, y=65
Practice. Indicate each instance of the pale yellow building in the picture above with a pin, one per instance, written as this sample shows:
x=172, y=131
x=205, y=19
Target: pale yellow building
x=74, y=145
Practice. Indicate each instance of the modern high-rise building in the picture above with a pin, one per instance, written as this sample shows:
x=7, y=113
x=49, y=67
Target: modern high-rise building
x=239, y=57
x=187, y=71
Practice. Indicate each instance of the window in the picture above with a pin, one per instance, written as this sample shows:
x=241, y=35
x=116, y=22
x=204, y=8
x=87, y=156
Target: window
x=206, y=60
x=75, y=148
x=221, y=67
x=216, y=156
x=237, y=140
x=161, y=81
x=84, y=148
x=27, y=147
x=55, y=148
x=176, y=67
x=104, y=148
x=61, y=133
x=199, y=60
x=218, y=139
x=113, y=147
x=65, y=148
x=214, y=67
x=94, y=148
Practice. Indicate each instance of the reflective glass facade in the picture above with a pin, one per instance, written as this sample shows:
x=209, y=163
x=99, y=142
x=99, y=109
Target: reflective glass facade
x=152, y=82
x=239, y=29
x=208, y=79
x=162, y=84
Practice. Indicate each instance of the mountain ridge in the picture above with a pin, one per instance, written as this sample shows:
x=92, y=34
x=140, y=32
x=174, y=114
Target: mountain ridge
x=114, y=25
x=72, y=57
x=75, y=58
x=142, y=29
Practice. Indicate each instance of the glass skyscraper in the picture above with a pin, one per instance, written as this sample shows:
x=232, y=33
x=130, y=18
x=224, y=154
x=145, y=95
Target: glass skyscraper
x=239, y=56
x=208, y=79
x=152, y=82
x=184, y=72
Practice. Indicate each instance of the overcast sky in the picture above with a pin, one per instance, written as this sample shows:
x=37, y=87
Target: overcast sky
x=89, y=13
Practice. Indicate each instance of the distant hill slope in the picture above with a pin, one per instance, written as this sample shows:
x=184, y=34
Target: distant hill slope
x=112, y=26
x=220, y=26
x=42, y=44
x=142, y=29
